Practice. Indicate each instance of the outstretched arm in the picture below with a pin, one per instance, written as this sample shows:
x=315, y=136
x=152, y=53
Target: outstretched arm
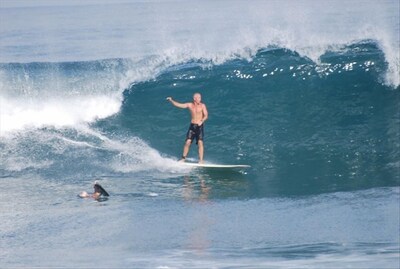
x=177, y=104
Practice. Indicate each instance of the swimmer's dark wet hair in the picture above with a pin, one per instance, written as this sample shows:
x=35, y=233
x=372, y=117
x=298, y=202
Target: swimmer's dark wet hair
x=99, y=188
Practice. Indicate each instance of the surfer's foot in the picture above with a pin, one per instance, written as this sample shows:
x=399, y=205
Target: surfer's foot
x=201, y=161
x=183, y=159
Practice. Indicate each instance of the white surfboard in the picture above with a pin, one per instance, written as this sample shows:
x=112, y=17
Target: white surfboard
x=211, y=165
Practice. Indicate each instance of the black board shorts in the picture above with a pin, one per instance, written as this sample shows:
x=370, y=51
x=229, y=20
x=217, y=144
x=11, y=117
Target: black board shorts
x=195, y=132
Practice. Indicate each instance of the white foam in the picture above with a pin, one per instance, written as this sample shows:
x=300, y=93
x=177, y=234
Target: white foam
x=39, y=149
x=19, y=114
x=134, y=155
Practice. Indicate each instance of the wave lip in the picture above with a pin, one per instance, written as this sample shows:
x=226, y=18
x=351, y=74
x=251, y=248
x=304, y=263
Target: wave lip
x=207, y=29
x=59, y=94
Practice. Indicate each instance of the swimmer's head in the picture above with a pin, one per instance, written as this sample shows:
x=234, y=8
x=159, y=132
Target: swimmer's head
x=99, y=189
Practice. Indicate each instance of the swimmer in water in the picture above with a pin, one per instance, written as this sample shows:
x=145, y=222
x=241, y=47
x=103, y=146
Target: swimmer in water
x=99, y=191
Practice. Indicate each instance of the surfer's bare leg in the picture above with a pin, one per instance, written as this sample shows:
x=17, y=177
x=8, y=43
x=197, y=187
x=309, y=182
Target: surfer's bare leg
x=201, y=151
x=186, y=148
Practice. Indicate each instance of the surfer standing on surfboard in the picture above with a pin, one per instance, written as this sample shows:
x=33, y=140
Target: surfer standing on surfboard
x=199, y=114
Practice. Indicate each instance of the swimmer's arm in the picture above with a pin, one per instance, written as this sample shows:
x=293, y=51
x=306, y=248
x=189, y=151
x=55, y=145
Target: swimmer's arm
x=177, y=104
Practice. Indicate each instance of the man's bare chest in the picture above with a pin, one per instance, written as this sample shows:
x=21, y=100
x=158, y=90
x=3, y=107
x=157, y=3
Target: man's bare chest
x=197, y=109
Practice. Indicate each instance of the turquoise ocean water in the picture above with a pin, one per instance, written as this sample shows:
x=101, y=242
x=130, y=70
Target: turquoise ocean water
x=307, y=93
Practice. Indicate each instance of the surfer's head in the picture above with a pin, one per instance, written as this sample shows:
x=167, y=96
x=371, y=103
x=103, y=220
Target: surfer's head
x=197, y=98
